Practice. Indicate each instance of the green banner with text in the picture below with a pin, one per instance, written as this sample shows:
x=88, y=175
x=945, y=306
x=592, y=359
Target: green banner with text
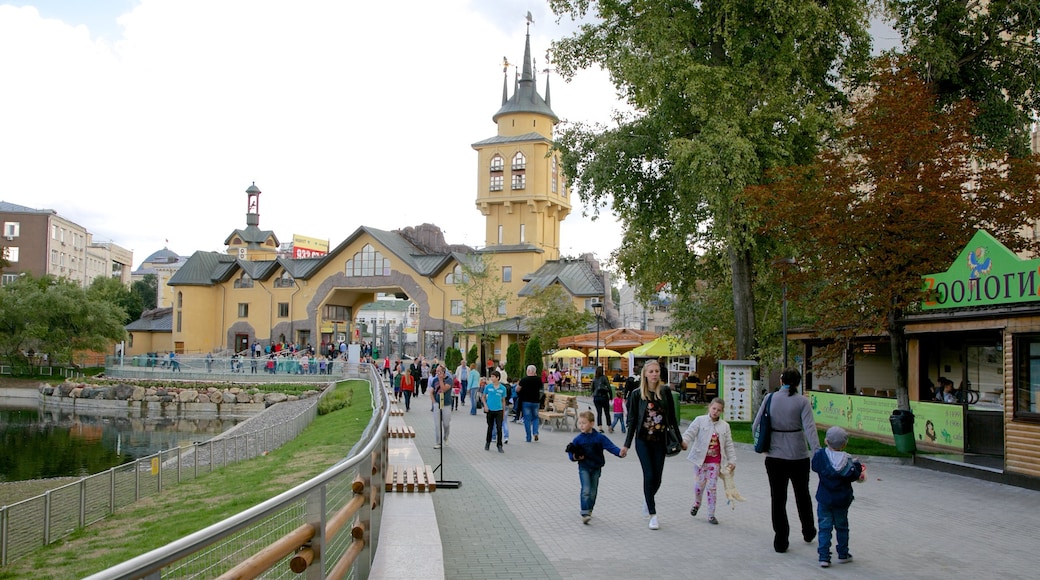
x=934, y=423
x=984, y=274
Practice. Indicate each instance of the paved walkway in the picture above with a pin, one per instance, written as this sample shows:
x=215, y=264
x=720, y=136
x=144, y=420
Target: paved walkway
x=516, y=516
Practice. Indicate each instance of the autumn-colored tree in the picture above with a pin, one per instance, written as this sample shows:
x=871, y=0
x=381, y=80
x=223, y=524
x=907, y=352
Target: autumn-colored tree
x=550, y=314
x=896, y=196
x=483, y=294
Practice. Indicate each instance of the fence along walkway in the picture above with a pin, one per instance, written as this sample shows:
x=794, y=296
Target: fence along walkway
x=327, y=527
x=41, y=520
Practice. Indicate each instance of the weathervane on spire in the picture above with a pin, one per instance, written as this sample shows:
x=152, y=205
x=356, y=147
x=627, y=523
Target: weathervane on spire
x=530, y=19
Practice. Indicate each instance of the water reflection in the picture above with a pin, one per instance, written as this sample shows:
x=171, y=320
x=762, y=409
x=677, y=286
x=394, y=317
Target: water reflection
x=37, y=443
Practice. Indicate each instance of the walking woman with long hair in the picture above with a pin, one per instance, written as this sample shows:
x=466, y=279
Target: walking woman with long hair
x=651, y=411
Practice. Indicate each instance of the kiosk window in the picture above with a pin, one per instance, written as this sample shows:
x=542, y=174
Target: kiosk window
x=1027, y=377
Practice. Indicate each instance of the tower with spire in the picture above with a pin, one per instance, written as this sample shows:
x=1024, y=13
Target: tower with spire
x=252, y=243
x=521, y=191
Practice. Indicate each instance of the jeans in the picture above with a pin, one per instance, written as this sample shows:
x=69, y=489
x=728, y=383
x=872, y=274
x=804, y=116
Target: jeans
x=407, y=400
x=780, y=472
x=505, y=428
x=589, y=477
x=494, y=426
x=838, y=519
x=473, y=402
x=651, y=459
x=602, y=410
x=618, y=417
x=441, y=416
x=462, y=392
x=530, y=419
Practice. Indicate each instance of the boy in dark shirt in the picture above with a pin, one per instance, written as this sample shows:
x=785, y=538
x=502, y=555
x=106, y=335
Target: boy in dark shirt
x=834, y=494
x=587, y=449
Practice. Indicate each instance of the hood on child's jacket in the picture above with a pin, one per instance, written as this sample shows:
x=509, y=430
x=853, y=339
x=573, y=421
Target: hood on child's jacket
x=835, y=488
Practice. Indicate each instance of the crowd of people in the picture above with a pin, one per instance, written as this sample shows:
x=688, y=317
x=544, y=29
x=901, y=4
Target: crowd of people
x=646, y=409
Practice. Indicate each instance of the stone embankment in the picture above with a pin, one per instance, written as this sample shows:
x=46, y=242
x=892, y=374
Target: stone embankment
x=166, y=399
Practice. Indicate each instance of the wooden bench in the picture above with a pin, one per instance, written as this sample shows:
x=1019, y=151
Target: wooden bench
x=410, y=478
x=396, y=411
x=559, y=410
x=400, y=431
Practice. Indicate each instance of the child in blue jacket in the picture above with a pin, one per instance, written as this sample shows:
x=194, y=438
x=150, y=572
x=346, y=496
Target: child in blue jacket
x=587, y=449
x=834, y=494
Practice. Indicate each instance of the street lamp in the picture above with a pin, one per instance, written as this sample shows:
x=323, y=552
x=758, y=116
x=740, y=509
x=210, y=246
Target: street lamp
x=597, y=307
x=783, y=297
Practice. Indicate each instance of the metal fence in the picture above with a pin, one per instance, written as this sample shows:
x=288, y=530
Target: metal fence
x=244, y=369
x=327, y=527
x=38, y=521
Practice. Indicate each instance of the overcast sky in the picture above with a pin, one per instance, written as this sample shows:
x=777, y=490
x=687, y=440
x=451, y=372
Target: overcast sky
x=146, y=120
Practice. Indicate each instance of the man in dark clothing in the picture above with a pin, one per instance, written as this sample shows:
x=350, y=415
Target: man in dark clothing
x=530, y=392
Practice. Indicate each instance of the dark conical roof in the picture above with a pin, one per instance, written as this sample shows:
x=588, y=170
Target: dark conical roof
x=525, y=97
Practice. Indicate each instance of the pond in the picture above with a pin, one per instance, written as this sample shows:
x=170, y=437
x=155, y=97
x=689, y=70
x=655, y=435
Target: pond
x=37, y=443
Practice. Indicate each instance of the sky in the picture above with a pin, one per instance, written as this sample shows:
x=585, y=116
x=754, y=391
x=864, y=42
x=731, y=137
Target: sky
x=146, y=120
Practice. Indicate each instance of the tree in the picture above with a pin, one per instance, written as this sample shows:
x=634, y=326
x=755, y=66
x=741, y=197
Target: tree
x=472, y=355
x=988, y=52
x=722, y=92
x=895, y=197
x=533, y=354
x=452, y=358
x=551, y=314
x=54, y=316
x=483, y=294
x=514, y=363
x=148, y=290
x=113, y=291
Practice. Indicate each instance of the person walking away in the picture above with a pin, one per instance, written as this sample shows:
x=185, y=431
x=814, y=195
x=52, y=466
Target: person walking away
x=456, y=388
x=440, y=404
x=712, y=447
x=587, y=450
x=792, y=442
x=619, y=411
x=475, y=383
x=651, y=410
x=462, y=374
x=493, y=398
x=407, y=389
x=425, y=382
x=834, y=496
x=529, y=389
x=601, y=395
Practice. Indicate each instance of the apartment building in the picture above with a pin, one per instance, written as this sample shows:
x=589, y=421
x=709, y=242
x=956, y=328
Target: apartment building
x=40, y=242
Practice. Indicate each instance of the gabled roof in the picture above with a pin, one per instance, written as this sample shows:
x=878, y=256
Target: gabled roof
x=252, y=236
x=576, y=276
x=8, y=207
x=158, y=320
x=203, y=269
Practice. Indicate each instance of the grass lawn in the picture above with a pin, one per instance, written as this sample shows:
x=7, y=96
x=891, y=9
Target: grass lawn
x=191, y=506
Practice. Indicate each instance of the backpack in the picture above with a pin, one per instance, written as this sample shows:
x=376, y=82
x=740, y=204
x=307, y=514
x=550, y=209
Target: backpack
x=602, y=389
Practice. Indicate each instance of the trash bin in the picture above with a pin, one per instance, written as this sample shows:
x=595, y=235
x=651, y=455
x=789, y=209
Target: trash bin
x=903, y=430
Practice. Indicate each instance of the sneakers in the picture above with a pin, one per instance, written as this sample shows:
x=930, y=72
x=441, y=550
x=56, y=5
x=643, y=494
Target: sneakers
x=500, y=450
x=438, y=446
x=585, y=519
x=487, y=446
x=825, y=563
x=845, y=560
x=653, y=522
x=694, y=509
x=536, y=437
x=809, y=537
x=713, y=521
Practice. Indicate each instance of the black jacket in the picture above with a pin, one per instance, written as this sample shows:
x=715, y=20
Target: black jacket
x=637, y=410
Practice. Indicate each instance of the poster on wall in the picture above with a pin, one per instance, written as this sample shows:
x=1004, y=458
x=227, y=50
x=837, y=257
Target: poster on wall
x=735, y=387
x=935, y=424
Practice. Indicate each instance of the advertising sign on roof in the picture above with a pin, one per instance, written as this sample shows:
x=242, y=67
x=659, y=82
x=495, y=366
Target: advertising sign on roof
x=304, y=247
x=985, y=273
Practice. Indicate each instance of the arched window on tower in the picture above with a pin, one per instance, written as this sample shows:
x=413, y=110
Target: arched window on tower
x=519, y=161
x=368, y=262
x=497, y=167
x=497, y=164
x=519, y=181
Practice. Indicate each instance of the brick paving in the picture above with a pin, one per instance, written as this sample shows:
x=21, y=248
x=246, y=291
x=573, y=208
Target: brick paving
x=516, y=516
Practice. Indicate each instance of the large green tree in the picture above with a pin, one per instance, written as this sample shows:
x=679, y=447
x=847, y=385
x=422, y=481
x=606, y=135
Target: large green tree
x=988, y=52
x=896, y=196
x=57, y=317
x=147, y=289
x=113, y=291
x=722, y=91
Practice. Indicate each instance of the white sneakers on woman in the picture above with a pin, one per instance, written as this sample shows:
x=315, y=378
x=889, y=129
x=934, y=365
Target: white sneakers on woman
x=653, y=522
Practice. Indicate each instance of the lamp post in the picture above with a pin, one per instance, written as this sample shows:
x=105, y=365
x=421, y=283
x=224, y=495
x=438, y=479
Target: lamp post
x=597, y=307
x=783, y=298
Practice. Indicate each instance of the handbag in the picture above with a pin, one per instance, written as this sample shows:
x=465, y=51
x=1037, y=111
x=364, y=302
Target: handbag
x=673, y=443
x=763, y=433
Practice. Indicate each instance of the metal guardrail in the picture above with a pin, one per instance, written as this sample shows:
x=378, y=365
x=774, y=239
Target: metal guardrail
x=304, y=518
x=245, y=369
x=35, y=522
